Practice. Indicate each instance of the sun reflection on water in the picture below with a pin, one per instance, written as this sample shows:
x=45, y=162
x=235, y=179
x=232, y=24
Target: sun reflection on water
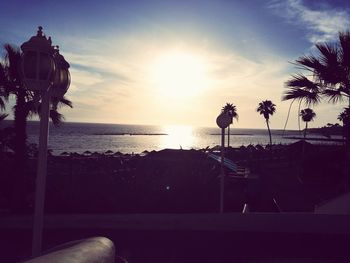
x=177, y=137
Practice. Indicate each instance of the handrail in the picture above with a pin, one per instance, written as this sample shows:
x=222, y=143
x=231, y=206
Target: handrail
x=96, y=249
x=227, y=162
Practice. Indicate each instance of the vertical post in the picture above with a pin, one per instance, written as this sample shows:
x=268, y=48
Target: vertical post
x=41, y=175
x=222, y=176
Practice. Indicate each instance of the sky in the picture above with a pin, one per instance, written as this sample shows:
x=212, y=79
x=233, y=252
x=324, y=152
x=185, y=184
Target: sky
x=179, y=62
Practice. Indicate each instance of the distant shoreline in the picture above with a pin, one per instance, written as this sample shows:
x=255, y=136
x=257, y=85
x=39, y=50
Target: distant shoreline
x=315, y=139
x=240, y=134
x=131, y=134
x=36, y=122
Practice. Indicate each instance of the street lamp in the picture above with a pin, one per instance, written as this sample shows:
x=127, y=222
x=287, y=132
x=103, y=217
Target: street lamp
x=38, y=64
x=61, y=79
x=45, y=72
x=223, y=121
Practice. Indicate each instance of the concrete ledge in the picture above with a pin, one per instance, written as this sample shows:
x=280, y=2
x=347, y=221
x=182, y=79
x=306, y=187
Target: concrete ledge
x=91, y=250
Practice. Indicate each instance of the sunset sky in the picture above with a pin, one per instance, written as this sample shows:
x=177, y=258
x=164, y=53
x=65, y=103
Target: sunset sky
x=178, y=62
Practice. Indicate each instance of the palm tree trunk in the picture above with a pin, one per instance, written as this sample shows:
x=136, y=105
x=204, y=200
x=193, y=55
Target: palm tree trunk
x=305, y=130
x=301, y=166
x=285, y=125
x=228, y=136
x=18, y=184
x=299, y=116
x=347, y=132
x=268, y=128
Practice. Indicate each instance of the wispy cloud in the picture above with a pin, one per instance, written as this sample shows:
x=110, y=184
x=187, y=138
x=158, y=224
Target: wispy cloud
x=246, y=82
x=323, y=23
x=112, y=82
x=119, y=78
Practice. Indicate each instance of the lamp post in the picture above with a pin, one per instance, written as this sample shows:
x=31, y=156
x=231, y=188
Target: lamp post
x=223, y=121
x=45, y=72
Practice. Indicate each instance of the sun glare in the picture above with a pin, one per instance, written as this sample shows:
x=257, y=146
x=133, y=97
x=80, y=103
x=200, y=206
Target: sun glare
x=179, y=74
x=177, y=137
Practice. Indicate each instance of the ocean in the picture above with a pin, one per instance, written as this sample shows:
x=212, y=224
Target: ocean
x=94, y=137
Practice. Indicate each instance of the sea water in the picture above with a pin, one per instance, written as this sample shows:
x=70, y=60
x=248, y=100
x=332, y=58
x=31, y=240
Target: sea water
x=93, y=137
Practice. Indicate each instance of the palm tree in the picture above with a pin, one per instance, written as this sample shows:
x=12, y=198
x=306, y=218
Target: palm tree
x=267, y=108
x=330, y=74
x=301, y=89
x=231, y=111
x=4, y=94
x=344, y=117
x=4, y=134
x=307, y=115
x=27, y=104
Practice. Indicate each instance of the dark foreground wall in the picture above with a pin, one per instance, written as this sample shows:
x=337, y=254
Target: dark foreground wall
x=194, y=237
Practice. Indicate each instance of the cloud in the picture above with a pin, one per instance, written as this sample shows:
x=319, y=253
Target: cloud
x=99, y=65
x=83, y=77
x=323, y=24
x=111, y=82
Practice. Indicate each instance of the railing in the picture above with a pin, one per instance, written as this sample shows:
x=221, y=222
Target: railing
x=91, y=250
x=252, y=222
x=227, y=163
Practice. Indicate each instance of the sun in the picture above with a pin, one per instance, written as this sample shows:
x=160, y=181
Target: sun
x=178, y=136
x=179, y=74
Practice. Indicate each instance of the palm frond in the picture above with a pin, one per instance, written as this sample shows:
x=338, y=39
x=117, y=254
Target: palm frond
x=56, y=117
x=60, y=102
x=13, y=58
x=31, y=108
x=345, y=90
x=331, y=72
x=66, y=102
x=334, y=95
x=301, y=81
x=2, y=104
x=3, y=116
x=2, y=75
x=344, y=41
x=309, y=63
x=329, y=53
x=301, y=95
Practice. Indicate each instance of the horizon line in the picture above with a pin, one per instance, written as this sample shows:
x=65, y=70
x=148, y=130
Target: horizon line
x=194, y=126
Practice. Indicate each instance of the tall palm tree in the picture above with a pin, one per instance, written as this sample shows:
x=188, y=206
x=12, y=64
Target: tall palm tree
x=231, y=111
x=27, y=104
x=307, y=115
x=301, y=89
x=267, y=108
x=330, y=74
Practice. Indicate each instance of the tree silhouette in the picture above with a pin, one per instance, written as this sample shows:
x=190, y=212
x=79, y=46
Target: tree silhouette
x=307, y=115
x=231, y=111
x=27, y=105
x=267, y=108
x=4, y=93
x=330, y=74
x=344, y=117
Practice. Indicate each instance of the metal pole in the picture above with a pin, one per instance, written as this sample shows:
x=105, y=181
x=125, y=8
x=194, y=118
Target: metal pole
x=222, y=179
x=41, y=176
